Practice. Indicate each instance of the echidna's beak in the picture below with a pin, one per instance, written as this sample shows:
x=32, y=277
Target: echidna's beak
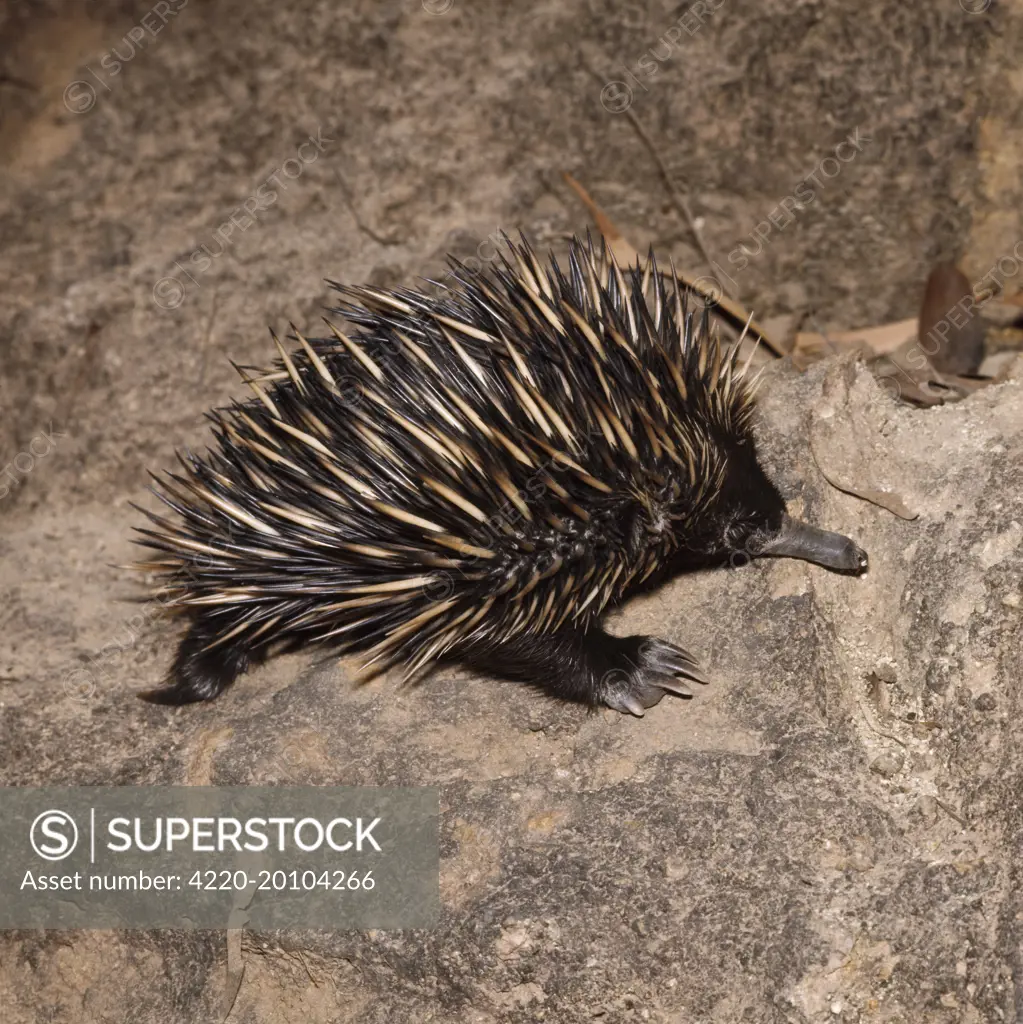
x=800, y=540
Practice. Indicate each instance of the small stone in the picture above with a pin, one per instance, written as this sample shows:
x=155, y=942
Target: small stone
x=887, y=765
x=513, y=941
x=939, y=675
x=928, y=808
x=1011, y=600
x=675, y=869
x=859, y=860
x=537, y=721
x=530, y=992
x=1000, y=313
x=885, y=671
x=836, y=1007
x=985, y=702
x=386, y=275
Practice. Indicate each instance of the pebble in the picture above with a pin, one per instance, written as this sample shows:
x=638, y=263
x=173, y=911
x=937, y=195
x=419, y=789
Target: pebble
x=938, y=676
x=885, y=671
x=985, y=702
x=888, y=764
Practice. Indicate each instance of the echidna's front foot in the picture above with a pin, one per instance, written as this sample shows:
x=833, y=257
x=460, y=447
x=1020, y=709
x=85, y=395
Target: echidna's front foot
x=642, y=670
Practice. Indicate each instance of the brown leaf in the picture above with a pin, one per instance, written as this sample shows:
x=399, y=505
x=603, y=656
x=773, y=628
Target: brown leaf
x=869, y=340
x=1002, y=312
x=951, y=331
x=906, y=373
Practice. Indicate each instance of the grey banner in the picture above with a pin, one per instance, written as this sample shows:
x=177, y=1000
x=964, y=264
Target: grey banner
x=216, y=857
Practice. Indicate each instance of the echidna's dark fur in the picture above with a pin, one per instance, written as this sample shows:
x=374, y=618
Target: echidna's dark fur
x=474, y=476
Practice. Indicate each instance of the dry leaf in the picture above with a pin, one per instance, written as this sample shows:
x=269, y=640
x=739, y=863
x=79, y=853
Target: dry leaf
x=951, y=331
x=878, y=340
x=908, y=373
x=1002, y=312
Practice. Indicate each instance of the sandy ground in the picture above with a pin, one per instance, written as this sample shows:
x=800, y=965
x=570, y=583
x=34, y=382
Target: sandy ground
x=830, y=831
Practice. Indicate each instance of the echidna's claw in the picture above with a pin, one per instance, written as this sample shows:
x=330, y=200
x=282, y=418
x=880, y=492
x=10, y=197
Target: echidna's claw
x=674, y=686
x=661, y=656
x=628, y=703
x=645, y=670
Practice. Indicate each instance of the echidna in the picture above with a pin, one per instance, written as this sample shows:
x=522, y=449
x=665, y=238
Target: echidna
x=475, y=475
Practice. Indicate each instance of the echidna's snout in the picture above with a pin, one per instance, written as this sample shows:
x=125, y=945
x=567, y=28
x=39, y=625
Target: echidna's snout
x=796, y=539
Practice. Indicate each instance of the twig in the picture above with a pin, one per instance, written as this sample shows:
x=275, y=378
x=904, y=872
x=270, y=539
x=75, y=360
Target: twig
x=883, y=499
x=879, y=731
x=952, y=814
x=235, y=970
x=729, y=309
x=359, y=222
x=679, y=201
x=18, y=83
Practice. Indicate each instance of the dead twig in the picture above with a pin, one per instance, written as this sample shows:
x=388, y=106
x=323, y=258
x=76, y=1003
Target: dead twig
x=349, y=199
x=235, y=970
x=625, y=253
x=952, y=814
x=678, y=200
x=883, y=499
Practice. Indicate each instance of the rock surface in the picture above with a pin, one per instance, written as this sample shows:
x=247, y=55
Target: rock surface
x=831, y=830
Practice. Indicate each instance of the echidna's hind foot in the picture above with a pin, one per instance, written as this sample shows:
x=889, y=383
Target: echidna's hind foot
x=639, y=670
x=201, y=672
x=627, y=673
